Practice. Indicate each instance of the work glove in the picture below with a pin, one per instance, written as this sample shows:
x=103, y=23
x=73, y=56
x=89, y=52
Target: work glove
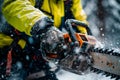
x=41, y=26
x=82, y=29
x=50, y=38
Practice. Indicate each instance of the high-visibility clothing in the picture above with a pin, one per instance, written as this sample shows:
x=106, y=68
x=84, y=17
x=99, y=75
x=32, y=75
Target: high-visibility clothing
x=22, y=14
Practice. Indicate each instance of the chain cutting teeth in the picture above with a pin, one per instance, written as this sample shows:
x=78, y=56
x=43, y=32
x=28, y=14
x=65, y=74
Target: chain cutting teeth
x=105, y=51
x=109, y=52
x=113, y=76
x=101, y=50
x=107, y=74
x=118, y=78
x=114, y=53
x=99, y=71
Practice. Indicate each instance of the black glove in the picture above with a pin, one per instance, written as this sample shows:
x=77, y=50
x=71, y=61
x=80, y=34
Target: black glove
x=42, y=25
x=50, y=38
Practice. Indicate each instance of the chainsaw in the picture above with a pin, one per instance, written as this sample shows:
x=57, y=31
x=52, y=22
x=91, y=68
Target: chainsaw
x=96, y=59
x=81, y=54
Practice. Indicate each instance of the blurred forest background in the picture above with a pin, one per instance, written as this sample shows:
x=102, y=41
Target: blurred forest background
x=103, y=18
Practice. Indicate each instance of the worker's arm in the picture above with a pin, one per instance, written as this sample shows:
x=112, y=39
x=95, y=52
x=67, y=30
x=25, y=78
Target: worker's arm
x=79, y=14
x=21, y=14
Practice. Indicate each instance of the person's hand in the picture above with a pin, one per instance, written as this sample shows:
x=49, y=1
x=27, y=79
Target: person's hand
x=52, y=42
x=49, y=37
x=41, y=26
x=82, y=29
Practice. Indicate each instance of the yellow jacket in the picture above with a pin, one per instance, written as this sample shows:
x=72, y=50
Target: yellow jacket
x=22, y=14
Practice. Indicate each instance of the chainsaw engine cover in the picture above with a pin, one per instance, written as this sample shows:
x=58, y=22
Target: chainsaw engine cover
x=77, y=63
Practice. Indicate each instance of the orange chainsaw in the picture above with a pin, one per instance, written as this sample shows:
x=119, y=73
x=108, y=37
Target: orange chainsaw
x=77, y=52
x=84, y=56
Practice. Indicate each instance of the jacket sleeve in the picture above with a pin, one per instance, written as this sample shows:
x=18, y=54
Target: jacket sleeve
x=77, y=11
x=21, y=14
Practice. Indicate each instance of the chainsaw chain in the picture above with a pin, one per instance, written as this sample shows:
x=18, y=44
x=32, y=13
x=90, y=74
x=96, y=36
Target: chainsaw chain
x=105, y=51
x=109, y=52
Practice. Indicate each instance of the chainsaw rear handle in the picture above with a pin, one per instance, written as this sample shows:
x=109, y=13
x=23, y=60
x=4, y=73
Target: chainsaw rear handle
x=69, y=28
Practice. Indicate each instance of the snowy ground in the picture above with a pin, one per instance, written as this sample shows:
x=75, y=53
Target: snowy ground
x=64, y=75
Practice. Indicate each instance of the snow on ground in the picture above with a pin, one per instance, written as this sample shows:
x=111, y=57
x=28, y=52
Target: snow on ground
x=64, y=75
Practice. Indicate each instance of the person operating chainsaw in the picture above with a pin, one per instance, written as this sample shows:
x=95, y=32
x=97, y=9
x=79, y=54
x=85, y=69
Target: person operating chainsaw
x=30, y=23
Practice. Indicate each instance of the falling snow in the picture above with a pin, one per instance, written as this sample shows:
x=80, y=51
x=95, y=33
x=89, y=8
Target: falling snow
x=111, y=35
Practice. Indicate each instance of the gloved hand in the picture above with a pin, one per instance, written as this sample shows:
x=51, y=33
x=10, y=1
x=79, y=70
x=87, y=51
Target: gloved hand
x=50, y=38
x=82, y=29
x=78, y=26
x=41, y=26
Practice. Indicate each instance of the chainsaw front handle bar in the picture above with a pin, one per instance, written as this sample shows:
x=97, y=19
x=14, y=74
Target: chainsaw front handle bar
x=70, y=30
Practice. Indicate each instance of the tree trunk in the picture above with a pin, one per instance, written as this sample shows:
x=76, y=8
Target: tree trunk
x=101, y=18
